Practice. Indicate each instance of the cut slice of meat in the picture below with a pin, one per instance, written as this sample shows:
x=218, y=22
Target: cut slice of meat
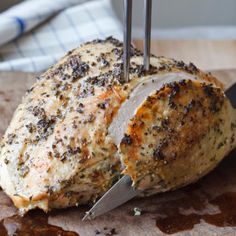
x=177, y=135
x=144, y=87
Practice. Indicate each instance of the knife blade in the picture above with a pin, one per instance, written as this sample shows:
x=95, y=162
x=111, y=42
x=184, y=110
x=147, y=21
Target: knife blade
x=117, y=195
x=231, y=95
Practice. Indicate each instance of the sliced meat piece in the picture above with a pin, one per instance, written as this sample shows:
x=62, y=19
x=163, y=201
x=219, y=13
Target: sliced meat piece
x=177, y=135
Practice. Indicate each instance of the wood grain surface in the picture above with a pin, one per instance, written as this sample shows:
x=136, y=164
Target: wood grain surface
x=206, y=54
x=205, y=208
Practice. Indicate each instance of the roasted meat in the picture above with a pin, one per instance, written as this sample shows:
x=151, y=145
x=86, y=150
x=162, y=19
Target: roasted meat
x=80, y=127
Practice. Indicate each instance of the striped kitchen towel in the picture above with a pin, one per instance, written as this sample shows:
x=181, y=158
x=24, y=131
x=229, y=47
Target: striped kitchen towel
x=36, y=33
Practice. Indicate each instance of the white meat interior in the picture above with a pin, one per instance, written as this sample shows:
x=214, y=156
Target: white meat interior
x=141, y=91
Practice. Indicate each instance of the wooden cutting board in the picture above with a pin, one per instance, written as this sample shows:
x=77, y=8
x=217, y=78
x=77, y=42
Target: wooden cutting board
x=205, y=208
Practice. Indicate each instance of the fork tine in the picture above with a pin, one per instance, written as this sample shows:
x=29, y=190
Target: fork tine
x=147, y=34
x=127, y=37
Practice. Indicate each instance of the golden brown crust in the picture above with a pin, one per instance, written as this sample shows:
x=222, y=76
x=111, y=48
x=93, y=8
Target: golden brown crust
x=180, y=119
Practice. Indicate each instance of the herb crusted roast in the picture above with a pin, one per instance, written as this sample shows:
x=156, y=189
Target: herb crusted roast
x=80, y=127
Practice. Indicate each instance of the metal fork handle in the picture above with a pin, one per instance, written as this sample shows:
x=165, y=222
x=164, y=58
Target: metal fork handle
x=147, y=34
x=127, y=37
x=128, y=31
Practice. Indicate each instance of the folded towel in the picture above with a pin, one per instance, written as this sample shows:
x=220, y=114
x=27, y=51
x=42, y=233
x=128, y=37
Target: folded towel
x=35, y=34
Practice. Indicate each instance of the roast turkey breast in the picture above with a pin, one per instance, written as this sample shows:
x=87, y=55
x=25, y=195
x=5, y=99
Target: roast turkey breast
x=80, y=127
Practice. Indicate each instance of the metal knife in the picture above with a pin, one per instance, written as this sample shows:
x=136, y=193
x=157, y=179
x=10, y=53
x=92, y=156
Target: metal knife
x=117, y=195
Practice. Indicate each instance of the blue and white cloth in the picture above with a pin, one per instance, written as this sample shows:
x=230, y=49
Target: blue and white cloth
x=36, y=33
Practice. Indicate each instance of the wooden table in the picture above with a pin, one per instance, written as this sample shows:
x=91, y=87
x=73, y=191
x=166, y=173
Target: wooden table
x=206, y=54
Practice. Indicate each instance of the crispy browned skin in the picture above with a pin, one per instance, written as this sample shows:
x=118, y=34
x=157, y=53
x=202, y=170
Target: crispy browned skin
x=57, y=151
x=177, y=135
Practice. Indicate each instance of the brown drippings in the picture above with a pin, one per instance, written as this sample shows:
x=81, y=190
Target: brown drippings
x=34, y=223
x=198, y=202
x=175, y=221
x=227, y=206
x=7, y=99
